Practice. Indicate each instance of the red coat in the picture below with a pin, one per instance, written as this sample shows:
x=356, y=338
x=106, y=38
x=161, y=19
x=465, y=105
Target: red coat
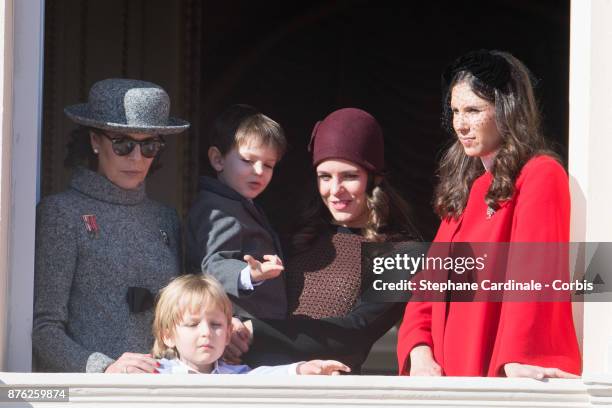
x=478, y=338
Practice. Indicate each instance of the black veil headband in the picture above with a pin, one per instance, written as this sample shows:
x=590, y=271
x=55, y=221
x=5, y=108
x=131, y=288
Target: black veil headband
x=493, y=70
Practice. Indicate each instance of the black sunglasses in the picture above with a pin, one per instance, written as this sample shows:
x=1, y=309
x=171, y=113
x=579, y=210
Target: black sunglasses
x=123, y=144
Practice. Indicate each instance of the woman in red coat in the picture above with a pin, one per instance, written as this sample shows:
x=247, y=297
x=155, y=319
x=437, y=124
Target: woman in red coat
x=497, y=184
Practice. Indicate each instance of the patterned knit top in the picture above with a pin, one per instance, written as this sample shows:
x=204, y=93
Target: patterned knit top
x=326, y=280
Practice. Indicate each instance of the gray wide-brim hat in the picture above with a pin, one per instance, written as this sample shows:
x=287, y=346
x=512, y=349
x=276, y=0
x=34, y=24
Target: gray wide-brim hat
x=128, y=106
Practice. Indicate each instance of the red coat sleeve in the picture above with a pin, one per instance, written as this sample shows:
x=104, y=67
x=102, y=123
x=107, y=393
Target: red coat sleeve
x=415, y=330
x=539, y=333
x=416, y=327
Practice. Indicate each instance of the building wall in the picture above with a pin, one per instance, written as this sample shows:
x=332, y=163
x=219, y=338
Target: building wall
x=589, y=162
x=20, y=126
x=89, y=40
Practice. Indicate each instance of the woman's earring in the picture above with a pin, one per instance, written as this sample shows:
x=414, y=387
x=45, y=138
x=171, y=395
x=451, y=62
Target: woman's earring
x=95, y=150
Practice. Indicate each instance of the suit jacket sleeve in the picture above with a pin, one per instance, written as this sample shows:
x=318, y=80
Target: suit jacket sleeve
x=219, y=242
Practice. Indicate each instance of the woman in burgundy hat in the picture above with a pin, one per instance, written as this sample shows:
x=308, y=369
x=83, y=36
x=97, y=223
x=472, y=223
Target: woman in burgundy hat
x=326, y=290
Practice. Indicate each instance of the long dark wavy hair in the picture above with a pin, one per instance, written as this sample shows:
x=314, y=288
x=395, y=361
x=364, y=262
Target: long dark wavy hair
x=389, y=217
x=518, y=120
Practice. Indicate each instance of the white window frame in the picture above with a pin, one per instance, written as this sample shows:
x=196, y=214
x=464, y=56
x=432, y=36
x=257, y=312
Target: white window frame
x=25, y=51
x=21, y=90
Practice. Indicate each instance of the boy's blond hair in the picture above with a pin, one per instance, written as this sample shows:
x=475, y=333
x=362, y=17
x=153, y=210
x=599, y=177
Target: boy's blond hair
x=187, y=292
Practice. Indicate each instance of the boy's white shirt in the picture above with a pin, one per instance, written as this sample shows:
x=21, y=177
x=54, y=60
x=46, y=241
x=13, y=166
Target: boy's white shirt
x=176, y=366
x=244, y=279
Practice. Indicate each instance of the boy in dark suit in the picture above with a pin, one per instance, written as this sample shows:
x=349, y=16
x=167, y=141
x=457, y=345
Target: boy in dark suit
x=228, y=235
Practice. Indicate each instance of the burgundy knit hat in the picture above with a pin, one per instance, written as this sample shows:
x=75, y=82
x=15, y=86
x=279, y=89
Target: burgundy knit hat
x=350, y=134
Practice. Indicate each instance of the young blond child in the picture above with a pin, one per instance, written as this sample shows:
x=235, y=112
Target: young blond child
x=227, y=234
x=192, y=327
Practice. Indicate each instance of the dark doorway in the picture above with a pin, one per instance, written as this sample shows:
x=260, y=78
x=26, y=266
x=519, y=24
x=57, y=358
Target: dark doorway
x=299, y=61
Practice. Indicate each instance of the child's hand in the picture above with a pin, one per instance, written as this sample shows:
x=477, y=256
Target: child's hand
x=239, y=342
x=322, y=367
x=269, y=269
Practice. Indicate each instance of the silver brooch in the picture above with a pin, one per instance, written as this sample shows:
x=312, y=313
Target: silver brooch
x=490, y=212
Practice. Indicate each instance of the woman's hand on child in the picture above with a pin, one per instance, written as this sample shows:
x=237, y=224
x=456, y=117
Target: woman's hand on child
x=322, y=367
x=422, y=362
x=239, y=342
x=269, y=269
x=537, y=372
x=134, y=363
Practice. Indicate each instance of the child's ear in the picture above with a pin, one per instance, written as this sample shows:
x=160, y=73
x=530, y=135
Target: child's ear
x=215, y=158
x=168, y=340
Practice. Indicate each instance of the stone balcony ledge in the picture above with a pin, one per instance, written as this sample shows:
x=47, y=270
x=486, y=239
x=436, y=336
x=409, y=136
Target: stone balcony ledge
x=121, y=390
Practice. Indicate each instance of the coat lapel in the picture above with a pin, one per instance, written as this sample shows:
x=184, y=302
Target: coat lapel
x=215, y=186
x=258, y=215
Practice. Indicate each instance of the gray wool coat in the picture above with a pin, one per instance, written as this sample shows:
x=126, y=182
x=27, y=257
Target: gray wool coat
x=222, y=227
x=82, y=321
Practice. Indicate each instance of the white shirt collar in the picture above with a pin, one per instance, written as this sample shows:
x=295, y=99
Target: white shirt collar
x=176, y=366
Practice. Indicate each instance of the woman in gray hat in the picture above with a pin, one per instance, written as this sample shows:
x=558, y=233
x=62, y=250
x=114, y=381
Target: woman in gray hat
x=102, y=247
